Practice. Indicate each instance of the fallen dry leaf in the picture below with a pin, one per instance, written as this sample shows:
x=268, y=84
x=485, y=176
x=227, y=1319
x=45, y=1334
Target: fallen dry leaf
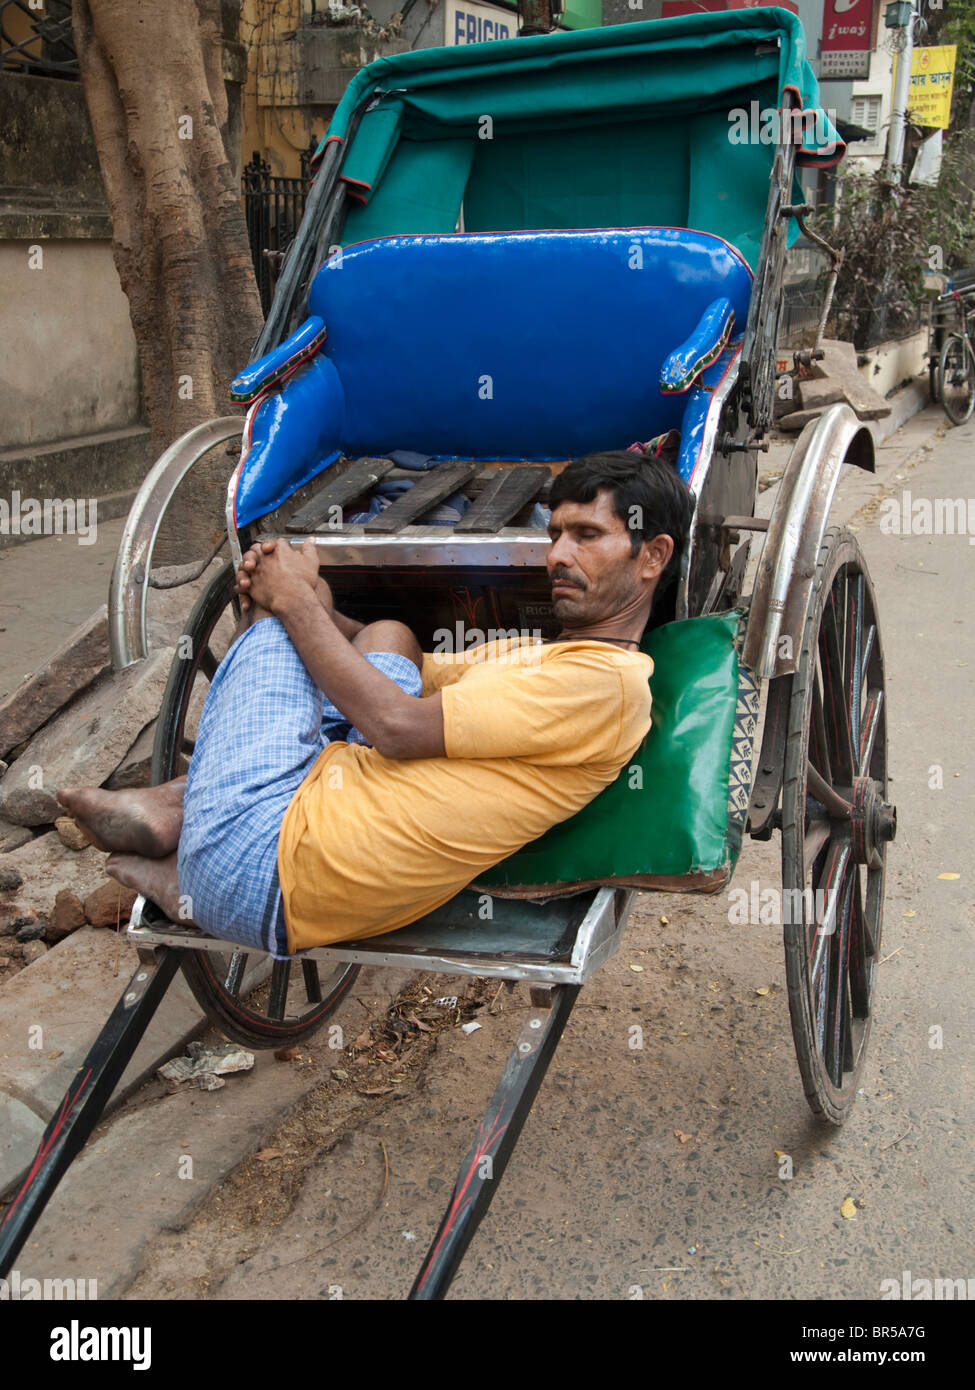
x=638, y=968
x=265, y=1155
x=949, y=875
x=849, y=1210
x=762, y=989
x=423, y=1027
x=287, y=1054
x=363, y=1040
x=684, y=1138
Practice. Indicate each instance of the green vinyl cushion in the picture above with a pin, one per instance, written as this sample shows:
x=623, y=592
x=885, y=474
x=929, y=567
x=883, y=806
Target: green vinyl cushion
x=676, y=811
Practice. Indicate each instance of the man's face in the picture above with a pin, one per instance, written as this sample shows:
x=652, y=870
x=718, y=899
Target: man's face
x=594, y=573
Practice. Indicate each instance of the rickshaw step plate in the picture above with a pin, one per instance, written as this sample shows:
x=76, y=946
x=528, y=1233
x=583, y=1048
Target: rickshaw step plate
x=562, y=941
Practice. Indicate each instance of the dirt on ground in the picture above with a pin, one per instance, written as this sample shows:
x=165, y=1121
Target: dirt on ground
x=382, y=1066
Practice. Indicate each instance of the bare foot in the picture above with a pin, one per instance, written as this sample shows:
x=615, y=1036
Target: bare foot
x=145, y=821
x=155, y=878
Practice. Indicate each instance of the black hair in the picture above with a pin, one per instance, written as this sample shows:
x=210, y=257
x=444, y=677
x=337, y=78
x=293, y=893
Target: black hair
x=649, y=497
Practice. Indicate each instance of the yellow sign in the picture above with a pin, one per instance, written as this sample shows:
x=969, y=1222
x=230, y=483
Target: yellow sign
x=932, y=75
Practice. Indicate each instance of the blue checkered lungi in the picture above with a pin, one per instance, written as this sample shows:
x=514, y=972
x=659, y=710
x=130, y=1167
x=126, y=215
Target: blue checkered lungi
x=263, y=726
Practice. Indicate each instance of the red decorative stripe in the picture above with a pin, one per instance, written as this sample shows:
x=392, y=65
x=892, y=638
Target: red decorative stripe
x=285, y=369
x=484, y=1143
x=67, y=1105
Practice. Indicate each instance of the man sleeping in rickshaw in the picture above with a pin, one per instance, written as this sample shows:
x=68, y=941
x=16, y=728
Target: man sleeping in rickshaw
x=343, y=783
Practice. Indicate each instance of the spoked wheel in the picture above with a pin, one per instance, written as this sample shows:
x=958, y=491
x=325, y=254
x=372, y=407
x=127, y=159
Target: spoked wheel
x=836, y=824
x=233, y=987
x=956, y=379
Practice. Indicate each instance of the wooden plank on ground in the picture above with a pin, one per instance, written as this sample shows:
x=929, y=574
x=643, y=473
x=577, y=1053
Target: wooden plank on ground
x=351, y=483
x=504, y=495
x=429, y=489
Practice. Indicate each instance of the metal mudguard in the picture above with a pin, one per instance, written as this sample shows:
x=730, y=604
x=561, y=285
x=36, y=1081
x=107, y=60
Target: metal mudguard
x=788, y=565
x=130, y=576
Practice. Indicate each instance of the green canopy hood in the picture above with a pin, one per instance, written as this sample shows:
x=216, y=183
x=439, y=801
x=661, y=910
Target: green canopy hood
x=664, y=123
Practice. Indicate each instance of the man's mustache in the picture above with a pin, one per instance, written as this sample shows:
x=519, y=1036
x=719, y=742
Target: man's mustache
x=560, y=575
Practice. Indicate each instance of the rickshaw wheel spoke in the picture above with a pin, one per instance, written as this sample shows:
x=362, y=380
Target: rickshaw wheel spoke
x=836, y=708
x=231, y=986
x=235, y=974
x=280, y=979
x=859, y=953
x=816, y=838
x=818, y=743
x=313, y=985
x=837, y=740
x=871, y=723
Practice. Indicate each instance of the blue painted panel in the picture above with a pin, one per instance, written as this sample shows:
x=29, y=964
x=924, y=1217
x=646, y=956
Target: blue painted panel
x=698, y=403
x=294, y=434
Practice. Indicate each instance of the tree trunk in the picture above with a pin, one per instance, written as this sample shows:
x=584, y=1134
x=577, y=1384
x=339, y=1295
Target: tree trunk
x=153, y=79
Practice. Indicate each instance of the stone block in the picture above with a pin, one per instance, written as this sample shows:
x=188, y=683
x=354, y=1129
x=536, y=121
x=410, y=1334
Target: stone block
x=13, y=836
x=71, y=669
x=67, y=915
x=70, y=994
x=70, y=833
x=798, y=420
x=84, y=744
x=135, y=769
x=47, y=866
x=10, y=879
x=20, y=1134
x=110, y=904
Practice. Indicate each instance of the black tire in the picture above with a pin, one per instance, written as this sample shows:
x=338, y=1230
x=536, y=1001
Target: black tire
x=956, y=379
x=300, y=994
x=837, y=741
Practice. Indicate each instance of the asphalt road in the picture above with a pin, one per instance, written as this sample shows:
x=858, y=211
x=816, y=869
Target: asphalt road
x=656, y=1172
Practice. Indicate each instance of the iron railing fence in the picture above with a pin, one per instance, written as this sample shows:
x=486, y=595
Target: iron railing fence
x=273, y=207
x=37, y=42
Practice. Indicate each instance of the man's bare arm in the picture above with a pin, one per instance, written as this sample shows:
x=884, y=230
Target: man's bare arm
x=396, y=724
x=347, y=626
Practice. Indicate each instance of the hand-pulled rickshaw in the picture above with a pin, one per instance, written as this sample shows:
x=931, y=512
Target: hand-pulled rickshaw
x=514, y=254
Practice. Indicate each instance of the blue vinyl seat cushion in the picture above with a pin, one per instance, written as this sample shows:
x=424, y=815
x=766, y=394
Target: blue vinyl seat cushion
x=521, y=345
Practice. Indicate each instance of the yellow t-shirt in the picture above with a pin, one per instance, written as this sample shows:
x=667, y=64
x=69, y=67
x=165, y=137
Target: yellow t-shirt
x=532, y=733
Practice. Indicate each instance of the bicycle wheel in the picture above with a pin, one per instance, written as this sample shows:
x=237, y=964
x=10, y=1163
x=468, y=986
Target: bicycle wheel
x=301, y=993
x=956, y=379
x=836, y=825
